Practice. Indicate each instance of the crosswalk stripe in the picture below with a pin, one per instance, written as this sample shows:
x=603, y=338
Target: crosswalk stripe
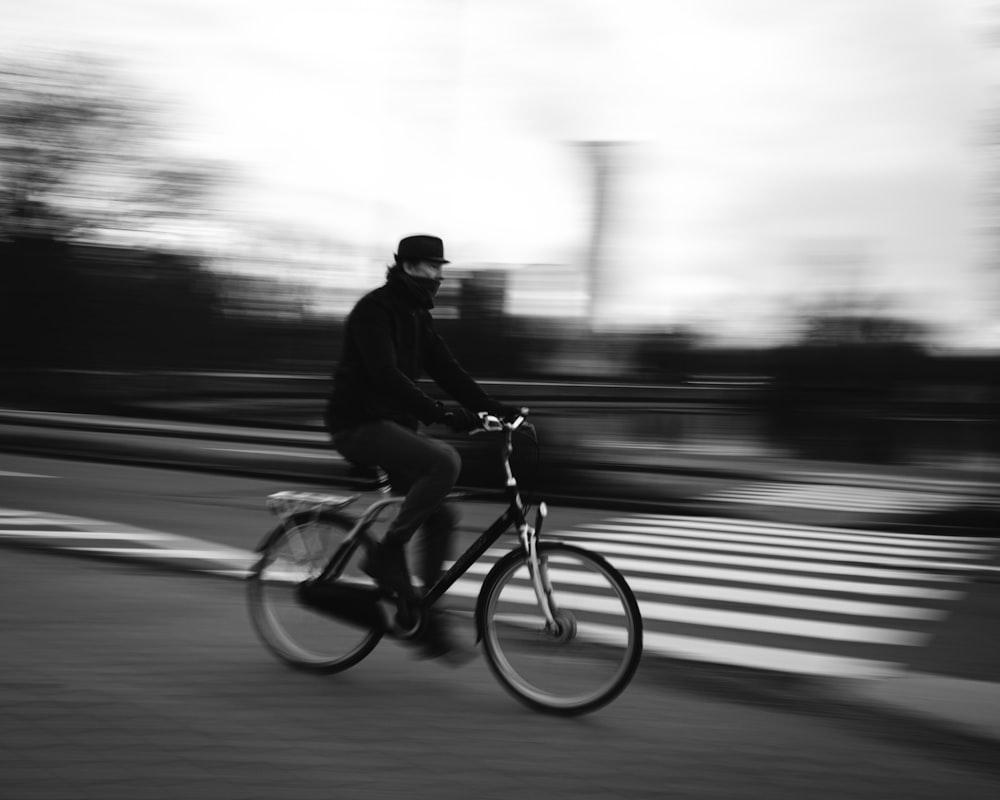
x=888, y=497
x=716, y=618
x=795, y=558
x=656, y=553
x=732, y=594
x=806, y=581
x=654, y=556
x=802, y=662
x=805, y=599
x=835, y=498
x=639, y=534
x=959, y=486
x=783, y=531
x=745, y=655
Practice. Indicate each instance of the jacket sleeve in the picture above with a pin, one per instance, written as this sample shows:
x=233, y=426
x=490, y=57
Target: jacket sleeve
x=444, y=368
x=372, y=333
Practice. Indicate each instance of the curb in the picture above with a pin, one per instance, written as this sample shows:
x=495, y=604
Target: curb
x=965, y=708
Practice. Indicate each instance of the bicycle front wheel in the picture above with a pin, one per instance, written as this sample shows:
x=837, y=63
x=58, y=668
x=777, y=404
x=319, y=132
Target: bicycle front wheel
x=295, y=632
x=583, y=661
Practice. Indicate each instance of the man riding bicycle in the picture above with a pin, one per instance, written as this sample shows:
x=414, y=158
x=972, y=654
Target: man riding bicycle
x=375, y=408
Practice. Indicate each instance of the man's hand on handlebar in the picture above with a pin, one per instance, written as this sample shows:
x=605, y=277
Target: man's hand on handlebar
x=505, y=412
x=491, y=422
x=461, y=420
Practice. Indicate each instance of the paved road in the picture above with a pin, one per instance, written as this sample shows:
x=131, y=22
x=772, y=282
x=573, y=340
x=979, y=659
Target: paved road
x=121, y=683
x=804, y=599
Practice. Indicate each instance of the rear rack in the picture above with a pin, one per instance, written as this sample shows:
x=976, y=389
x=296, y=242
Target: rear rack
x=287, y=503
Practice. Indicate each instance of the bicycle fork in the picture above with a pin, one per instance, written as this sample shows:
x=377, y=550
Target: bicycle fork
x=539, y=572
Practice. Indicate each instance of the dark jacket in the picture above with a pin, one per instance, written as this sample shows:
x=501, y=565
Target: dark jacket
x=389, y=343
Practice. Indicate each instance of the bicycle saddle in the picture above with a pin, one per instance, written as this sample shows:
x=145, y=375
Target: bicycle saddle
x=369, y=478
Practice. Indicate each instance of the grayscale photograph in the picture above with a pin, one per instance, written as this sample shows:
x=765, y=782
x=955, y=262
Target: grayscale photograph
x=500, y=399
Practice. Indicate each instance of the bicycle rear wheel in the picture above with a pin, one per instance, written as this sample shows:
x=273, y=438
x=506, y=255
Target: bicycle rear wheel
x=298, y=634
x=588, y=658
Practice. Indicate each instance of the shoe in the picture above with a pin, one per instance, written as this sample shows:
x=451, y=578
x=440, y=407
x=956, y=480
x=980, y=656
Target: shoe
x=386, y=564
x=436, y=641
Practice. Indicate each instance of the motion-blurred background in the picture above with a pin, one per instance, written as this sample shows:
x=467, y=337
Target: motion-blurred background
x=734, y=227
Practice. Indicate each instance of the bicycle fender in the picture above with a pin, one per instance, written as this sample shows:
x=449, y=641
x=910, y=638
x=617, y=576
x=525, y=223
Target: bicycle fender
x=269, y=538
x=296, y=520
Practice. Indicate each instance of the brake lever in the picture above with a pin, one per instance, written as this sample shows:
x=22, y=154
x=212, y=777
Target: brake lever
x=532, y=430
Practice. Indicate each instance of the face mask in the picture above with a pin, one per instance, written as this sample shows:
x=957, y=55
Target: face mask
x=430, y=285
x=423, y=289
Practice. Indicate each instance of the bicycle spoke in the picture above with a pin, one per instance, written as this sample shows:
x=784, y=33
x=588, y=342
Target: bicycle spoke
x=592, y=652
x=296, y=632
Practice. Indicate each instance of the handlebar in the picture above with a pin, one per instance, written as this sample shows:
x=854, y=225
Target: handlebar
x=490, y=423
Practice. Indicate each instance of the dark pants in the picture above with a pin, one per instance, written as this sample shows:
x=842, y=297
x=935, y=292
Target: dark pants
x=422, y=468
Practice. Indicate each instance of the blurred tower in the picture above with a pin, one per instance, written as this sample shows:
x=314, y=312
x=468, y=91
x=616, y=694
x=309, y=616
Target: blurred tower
x=603, y=160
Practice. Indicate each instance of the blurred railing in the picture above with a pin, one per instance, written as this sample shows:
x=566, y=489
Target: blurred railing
x=624, y=423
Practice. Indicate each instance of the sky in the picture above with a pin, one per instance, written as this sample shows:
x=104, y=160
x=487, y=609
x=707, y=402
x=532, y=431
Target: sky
x=769, y=152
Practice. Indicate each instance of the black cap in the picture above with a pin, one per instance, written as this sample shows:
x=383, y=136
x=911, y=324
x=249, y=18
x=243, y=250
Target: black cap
x=421, y=248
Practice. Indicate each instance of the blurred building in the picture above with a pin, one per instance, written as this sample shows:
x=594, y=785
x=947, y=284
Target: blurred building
x=548, y=290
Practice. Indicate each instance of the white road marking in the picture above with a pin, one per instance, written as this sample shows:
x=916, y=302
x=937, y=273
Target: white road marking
x=5, y=474
x=835, y=498
x=665, y=558
x=55, y=528
x=756, y=577
x=133, y=536
x=282, y=453
x=791, y=558
x=757, y=597
x=801, y=662
x=713, y=617
x=683, y=536
x=783, y=530
x=169, y=555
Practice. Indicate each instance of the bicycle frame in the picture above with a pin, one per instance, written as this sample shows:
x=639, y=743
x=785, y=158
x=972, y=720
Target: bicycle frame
x=514, y=516
x=328, y=622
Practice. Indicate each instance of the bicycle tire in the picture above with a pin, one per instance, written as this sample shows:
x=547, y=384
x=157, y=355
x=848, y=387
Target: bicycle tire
x=297, y=634
x=585, y=664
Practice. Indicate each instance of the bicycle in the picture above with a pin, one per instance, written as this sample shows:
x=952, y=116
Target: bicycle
x=561, y=627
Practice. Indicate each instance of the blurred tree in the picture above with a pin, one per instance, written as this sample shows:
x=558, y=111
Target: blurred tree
x=82, y=150
x=840, y=390
x=83, y=156
x=863, y=330
x=664, y=354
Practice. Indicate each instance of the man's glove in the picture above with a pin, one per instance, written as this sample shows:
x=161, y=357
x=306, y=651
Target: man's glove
x=461, y=420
